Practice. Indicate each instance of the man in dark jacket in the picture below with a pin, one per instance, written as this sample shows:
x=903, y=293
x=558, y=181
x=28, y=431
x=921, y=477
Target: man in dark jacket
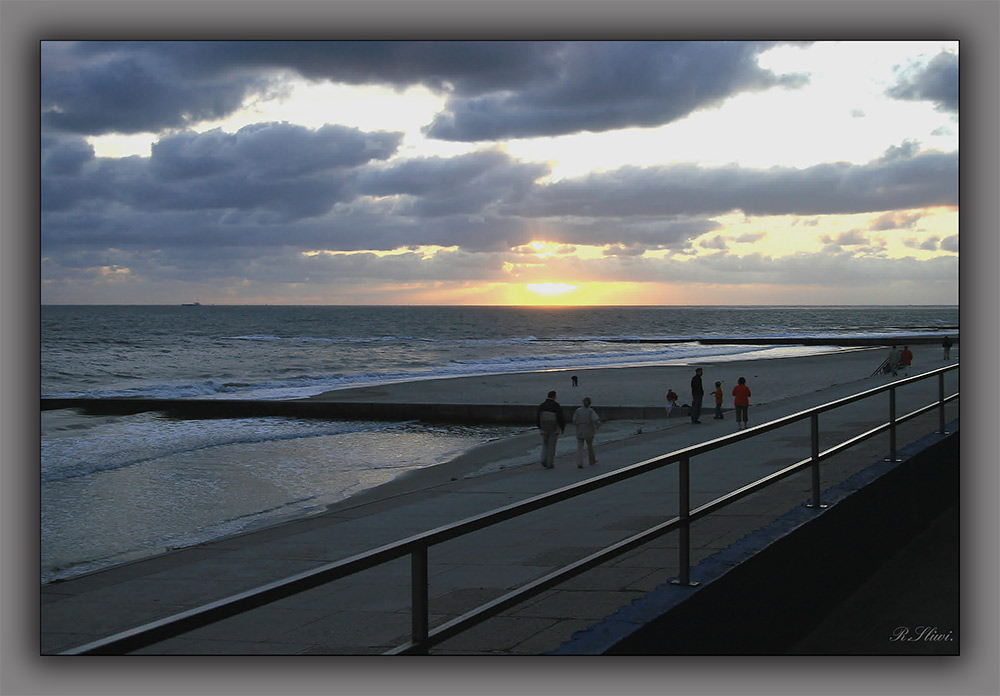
x=551, y=421
x=697, y=394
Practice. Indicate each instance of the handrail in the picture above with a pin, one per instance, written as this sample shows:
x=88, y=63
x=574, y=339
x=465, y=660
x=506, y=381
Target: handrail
x=417, y=545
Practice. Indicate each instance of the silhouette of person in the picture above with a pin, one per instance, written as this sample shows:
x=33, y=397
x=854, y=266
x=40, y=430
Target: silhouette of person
x=586, y=422
x=551, y=422
x=697, y=394
x=893, y=361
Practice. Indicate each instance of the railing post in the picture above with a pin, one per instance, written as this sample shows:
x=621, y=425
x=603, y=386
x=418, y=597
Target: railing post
x=941, y=402
x=684, y=500
x=814, y=455
x=892, y=425
x=418, y=593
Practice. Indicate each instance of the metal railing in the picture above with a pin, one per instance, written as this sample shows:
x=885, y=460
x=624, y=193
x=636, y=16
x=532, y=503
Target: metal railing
x=416, y=546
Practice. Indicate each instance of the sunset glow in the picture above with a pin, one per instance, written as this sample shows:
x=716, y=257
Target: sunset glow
x=550, y=288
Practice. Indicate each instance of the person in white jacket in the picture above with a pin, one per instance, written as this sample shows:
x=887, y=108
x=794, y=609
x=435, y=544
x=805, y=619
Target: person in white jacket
x=586, y=422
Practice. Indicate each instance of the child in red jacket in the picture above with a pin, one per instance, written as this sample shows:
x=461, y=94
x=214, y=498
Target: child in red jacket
x=718, y=400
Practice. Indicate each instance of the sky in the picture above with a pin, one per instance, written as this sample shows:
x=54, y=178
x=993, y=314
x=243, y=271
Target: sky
x=499, y=173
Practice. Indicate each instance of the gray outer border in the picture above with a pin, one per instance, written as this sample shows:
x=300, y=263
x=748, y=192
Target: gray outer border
x=23, y=23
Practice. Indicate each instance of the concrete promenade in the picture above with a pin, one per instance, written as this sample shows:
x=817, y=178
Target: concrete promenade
x=369, y=613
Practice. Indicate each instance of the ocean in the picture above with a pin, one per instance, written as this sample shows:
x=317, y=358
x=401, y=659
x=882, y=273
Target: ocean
x=119, y=488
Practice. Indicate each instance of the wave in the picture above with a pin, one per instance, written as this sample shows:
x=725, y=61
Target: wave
x=153, y=438
x=618, y=355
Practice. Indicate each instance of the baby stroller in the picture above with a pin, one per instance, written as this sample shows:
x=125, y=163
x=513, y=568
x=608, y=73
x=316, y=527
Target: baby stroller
x=883, y=369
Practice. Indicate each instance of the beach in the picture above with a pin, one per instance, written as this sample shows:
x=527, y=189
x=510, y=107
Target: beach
x=775, y=379
x=777, y=384
x=278, y=413
x=495, y=475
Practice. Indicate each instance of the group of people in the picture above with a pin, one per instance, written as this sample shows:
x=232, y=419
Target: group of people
x=899, y=360
x=551, y=421
x=903, y=359
x=741, y=399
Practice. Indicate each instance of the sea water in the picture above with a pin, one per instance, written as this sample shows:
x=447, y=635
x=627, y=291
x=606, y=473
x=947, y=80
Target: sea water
x=116, y=488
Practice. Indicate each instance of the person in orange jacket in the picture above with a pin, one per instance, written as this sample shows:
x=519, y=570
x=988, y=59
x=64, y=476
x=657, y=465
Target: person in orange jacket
x=741, y=400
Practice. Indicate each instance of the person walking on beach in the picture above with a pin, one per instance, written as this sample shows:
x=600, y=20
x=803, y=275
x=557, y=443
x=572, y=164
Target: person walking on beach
x=906, y=359
x=946, y=344
x=586, y=422
x=741, y=400
x=894, y=361
x=718, y=401
x=697, y=394
x=671, y=400
x=551, y=422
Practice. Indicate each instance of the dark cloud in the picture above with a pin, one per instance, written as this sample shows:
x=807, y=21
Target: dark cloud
x=936, y=82
x=465, y=184
x=277, y=185
x=269, y=151
x=132, y=88
x=625, y=250
x=257, y=203
x=929, y=244
x=610, y=85
x=849, y=238
x=924, y=180
x=716, y=242
x=266, y=171
x=497, y=89
x=65, y=157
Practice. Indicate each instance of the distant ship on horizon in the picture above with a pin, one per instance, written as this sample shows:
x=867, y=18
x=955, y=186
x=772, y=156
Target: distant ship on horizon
x=191, y=304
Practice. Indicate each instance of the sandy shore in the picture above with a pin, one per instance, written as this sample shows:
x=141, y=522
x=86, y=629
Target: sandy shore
x=771, y=381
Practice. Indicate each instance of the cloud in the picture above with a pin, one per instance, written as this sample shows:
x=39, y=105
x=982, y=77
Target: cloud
x=849, y=238
x=97, y=88
x=302, y=210
x=924, y=180
x=334, y=188
x=716, y=242
x=603, y=86
x=936, y=82
x=928, y=244
x=276, y=172
x=895, y=221
x=470, y=183
x=497, y=89
x=269, y=151
x=625, y=250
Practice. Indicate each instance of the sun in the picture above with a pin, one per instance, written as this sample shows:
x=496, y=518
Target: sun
x=550, y=288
